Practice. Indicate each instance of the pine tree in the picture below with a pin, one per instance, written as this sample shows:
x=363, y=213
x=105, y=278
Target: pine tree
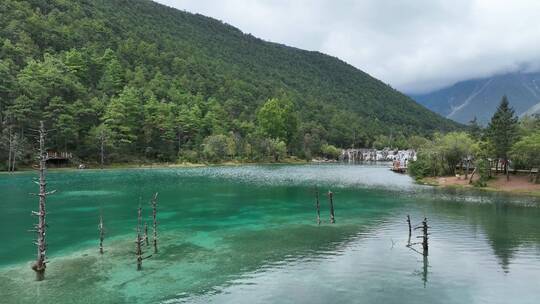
x=502, y=131
x=123, y=117
x=112, y=79
x=475, y=129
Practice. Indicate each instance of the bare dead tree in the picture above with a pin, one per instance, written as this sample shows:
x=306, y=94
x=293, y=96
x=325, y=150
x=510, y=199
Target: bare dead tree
x=101, y=233
x=507, y=169
x=153, y=203
x=425, y=245
x=139, y=242
x=467, y=166
x=318, y=205
x=473, y=173
x=41, y=243
x=410, y=230
x=102, y=137
x=10, y=149
x=424, y=226
x=146, y=234
x=16, y=149
x=425, y=263
x=331, y=201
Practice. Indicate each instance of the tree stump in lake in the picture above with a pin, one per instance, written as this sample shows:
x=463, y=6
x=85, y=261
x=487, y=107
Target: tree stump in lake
x=139, y=241
x=101, y=234
x=331, y=201
x=318, y=205
x=425, y=245
x=410, y=230
x=154, y=224
x=40, y=228
x=146, y=234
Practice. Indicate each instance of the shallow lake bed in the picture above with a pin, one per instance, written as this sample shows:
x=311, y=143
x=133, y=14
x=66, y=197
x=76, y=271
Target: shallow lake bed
x=248, y=234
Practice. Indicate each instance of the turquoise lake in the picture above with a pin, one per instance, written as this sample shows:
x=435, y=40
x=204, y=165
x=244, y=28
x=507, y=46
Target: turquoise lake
x=248, y=234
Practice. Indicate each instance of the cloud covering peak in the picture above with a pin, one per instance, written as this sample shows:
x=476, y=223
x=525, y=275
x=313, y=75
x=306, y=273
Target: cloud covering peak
x=416, y=46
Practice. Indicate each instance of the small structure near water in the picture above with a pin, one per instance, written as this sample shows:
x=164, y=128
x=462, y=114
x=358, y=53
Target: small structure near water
x=58, y=159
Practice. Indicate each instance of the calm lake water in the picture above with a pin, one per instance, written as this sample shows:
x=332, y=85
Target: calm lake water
x=249, y=235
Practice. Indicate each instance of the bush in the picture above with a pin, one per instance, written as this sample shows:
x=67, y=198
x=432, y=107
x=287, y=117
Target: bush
x=442, y=155
x=425, y=165
x=330, y=151
x=189, y=156
x=218, y=147
x=482, y=166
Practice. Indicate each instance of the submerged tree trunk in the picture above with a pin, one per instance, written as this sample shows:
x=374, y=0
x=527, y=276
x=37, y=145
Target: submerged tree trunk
x=425, y=245
x=154, y=224
x=146, y=234
x=101, y=234
x=318, y=205
x=410, y=230
x=138, y=241
x=331, y=201
x=40, y=264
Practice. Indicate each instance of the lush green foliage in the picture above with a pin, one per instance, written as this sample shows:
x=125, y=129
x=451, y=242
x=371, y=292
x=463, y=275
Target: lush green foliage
x=330, y=151
x=441, y=155
x=277, y=119
x=426, y=164
x=484, y=167
x=161, y=84
x=527, y=150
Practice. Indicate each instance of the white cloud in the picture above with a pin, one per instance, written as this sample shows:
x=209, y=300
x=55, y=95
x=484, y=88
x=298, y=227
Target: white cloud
x=415, y=45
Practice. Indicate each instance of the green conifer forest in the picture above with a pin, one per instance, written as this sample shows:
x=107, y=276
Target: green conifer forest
x=148, y=82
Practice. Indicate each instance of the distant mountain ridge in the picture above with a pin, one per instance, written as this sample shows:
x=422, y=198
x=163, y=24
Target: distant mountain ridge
x=480, y=97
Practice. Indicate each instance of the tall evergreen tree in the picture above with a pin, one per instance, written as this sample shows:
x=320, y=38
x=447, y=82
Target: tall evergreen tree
x=113, y=75
x=123, y=118
x=474, y=129
x=502, y=131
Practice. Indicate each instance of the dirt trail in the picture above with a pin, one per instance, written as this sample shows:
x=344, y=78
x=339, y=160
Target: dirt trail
x=517, y=183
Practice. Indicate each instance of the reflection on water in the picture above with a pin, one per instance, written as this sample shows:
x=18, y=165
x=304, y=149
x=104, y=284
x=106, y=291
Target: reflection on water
x=425, y=264
x=249, y=235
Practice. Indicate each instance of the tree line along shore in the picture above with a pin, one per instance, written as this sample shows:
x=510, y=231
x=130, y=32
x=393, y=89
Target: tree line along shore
x=507, y=146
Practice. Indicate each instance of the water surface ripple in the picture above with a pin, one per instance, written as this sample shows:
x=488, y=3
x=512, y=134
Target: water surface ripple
x=248, y=234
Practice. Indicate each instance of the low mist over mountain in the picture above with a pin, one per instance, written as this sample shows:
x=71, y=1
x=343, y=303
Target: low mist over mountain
x=480, y=97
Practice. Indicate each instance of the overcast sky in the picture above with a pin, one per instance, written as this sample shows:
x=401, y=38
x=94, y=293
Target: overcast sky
x=414, y=45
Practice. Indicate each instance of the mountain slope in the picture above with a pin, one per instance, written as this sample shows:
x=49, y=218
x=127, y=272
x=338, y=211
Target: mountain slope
x=467, y=99
x=113, y=57
x=534, y=110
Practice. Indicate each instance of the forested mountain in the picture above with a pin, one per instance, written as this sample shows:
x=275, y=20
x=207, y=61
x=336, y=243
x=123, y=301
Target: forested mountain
x=480, y=97
x=153, y=82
